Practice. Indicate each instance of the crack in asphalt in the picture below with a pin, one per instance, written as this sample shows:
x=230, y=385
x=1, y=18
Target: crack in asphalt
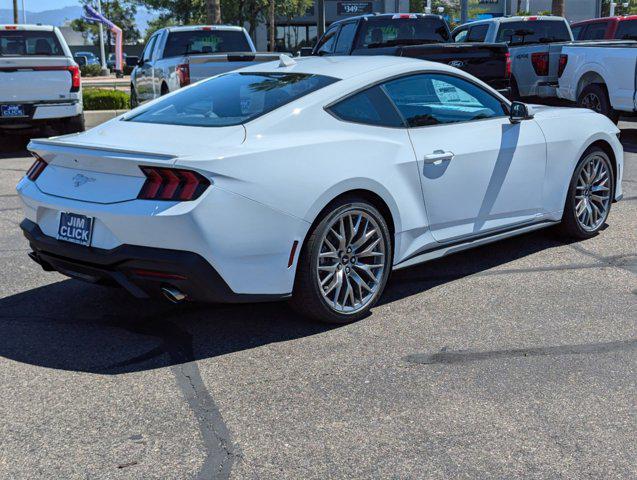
x=177, y=344
x=466, y=356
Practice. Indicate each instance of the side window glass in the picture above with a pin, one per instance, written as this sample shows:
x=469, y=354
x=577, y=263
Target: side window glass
x=437, y=99
x=595, y=31
x=370, y=106
x=345, y=39
x=460, y=36
x=477, y=33
x=148, y=51
x=577, y=33
x=326, y=45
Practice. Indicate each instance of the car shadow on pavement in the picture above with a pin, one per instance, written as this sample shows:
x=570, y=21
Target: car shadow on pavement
x=71, y=325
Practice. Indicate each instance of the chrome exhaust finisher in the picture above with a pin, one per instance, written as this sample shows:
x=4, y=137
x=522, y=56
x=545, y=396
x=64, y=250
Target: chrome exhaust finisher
x=172, y=294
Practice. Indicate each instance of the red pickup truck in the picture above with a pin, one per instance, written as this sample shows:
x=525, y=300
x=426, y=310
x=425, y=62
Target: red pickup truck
x=609, y=28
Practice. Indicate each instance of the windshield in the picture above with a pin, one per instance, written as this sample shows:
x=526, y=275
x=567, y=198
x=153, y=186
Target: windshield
x=533, y=31
x=231, y=99
x=23, y=43
x=627, y=30
x=205, y=41
x=387, y=32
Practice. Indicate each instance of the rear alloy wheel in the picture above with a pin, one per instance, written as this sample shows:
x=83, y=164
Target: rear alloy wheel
x=589, y=196
x=345, y=264
x=595, y=97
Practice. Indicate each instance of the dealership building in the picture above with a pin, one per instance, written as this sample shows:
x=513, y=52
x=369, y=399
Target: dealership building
x=297, y=32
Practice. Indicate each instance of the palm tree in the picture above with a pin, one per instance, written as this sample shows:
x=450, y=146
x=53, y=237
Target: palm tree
x=213, y=11
x=557, y=7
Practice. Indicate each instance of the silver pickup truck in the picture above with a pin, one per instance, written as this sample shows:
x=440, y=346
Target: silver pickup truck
x=535, y=43
x=178, y=56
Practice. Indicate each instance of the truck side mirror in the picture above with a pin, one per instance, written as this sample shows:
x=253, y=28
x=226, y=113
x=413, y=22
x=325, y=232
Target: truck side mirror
x=520, y=111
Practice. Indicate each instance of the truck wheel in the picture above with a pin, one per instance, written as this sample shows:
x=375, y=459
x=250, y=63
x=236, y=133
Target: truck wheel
x=595, y=97
x=514, y=90
x=73, y=125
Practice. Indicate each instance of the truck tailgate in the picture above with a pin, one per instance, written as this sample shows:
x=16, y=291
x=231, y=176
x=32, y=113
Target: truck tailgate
x=205, y=66
x=34, y=79
x=486, y=61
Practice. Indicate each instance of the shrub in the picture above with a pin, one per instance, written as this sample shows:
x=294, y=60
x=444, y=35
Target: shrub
x=91, y=70
x=98, y=99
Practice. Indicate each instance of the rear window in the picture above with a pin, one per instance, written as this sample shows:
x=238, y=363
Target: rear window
x=205, y=41
x=23, y=43
x=387, y=32
x=627, y=30
x=533, y=31
x=231, y=99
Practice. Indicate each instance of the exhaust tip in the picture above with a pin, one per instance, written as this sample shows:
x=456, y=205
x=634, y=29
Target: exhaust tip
x=173, y=295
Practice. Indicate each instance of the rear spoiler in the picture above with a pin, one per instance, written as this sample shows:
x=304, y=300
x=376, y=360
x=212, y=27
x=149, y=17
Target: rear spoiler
x=233, y=57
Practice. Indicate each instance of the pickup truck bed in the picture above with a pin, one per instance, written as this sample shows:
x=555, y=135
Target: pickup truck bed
x=488, y=62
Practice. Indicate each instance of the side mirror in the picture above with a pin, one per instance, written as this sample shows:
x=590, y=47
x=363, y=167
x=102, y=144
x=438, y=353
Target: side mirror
x=520, y=111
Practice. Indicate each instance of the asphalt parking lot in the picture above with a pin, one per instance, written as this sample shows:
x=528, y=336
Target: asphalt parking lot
x=515, y=360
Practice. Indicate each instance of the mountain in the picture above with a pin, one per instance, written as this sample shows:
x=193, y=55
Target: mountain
x=55, y=17
x=59, y=16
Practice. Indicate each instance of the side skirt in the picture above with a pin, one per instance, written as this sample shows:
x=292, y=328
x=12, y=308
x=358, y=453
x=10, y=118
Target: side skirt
x=444, y=250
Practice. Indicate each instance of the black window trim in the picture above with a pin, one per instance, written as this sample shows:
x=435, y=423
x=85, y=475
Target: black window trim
x=506, y=104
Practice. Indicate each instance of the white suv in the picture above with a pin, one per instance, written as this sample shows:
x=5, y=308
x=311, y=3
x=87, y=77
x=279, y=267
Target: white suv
x=39, y=80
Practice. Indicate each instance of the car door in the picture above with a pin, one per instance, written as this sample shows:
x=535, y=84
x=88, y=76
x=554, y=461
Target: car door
x=479, y=172
x=144, y=73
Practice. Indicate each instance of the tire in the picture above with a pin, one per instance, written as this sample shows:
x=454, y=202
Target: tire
x=134, y=103
x=73, y=125
x=595, y=97
x=572, y=225
x=308, y=297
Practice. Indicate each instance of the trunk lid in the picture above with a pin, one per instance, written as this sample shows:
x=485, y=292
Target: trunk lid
x=103, y=164
x=34, y=79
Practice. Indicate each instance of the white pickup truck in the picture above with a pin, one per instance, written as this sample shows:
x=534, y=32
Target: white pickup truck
x=534, y=45
x=39, y=80
x=178, y=56
x=600, y=76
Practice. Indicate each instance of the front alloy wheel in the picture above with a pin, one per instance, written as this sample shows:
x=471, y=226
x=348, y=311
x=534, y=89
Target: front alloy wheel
x=589, y=196
x=344, y=265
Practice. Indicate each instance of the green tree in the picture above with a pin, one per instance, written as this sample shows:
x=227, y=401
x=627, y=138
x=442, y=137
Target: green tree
x=120, y=12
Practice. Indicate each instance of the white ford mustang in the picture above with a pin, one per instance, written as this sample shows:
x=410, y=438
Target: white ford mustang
x=311, y=179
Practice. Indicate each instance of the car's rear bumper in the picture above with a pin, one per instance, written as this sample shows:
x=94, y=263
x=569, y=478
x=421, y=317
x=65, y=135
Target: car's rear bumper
x=38, y=113
x=143, y=271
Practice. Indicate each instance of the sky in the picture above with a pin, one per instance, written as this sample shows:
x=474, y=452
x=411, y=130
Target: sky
x=39, y=5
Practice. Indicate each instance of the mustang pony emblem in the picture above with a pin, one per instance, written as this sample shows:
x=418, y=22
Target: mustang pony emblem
x=79, y=180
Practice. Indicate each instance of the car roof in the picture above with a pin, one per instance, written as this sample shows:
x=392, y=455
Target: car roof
x=45, y=28
x=343, y=67
x=191, y=28
x=605, y=20
x=518, y=18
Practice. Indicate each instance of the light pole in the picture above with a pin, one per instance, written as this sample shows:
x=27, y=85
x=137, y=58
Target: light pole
x=528, y=6
x=320, y=27
x=464, y=11
x=428, y=7
x=101, y=30
x=24, y=13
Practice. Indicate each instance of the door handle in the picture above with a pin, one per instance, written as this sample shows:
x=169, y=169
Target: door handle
x=438, y=157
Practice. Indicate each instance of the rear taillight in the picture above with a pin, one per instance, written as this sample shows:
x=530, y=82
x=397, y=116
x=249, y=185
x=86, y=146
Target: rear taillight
x=507, y=72
x=183, y=73
x=75, y=78
x=562, y=65
x=172, y=184
x=540, y=61
x=36, y=169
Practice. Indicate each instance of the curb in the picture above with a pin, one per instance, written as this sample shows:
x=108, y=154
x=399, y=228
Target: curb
x=93, y=118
